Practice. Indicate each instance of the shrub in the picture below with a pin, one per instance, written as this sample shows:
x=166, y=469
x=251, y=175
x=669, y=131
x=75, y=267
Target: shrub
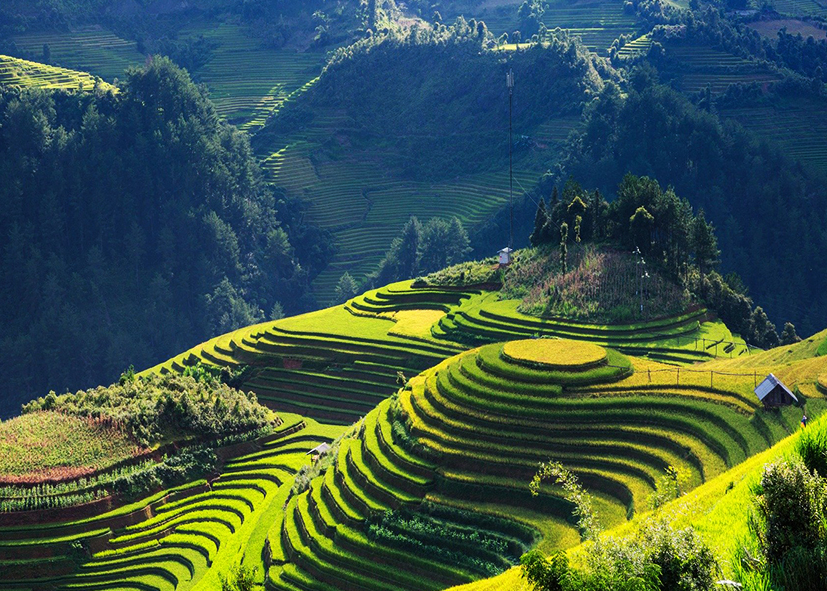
x=658, y=559
x=789, y=509
x=157, y=407
x=240, y=578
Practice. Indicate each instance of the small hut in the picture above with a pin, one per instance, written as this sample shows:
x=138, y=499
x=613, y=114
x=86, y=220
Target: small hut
x=318, y=452
x=773, y=393
x=505, y=256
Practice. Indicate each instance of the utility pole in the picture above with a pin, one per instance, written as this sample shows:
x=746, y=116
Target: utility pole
x=509, y=79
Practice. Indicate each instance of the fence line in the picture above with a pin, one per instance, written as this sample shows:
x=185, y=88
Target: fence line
x=712, y=373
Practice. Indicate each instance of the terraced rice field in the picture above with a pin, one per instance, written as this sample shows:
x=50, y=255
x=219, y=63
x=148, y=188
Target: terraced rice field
x=799, y=7
x=89, y=49
x=798, y=125
x=702, y=66
x=316, y=364
x=556, y=131
x=477, y=424
x=365, y=207
x=596, y=22
x=639, y=46
x=689, y=338
x=175, y=539
x=247, y=81
x=21, y=73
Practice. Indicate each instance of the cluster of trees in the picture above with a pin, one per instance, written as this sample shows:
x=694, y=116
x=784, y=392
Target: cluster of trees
x=317, y=23
x=421, y=249
x=643, y=216
x=166, y=407
x=134, y=224
x=769, y=212
x=663, y=228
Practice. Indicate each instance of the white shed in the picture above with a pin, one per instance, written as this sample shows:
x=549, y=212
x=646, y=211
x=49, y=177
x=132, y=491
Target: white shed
x=505, y=256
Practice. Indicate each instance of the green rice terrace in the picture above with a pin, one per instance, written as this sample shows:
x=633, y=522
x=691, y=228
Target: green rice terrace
x=365, y=207
x=247, y=81
x=596, y=22
x=699, y=67
x=21, y=73
x=89, y=49
x=428, y=487
x=797, y=123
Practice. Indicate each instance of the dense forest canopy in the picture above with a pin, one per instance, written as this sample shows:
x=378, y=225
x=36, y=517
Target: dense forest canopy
x=134, y=224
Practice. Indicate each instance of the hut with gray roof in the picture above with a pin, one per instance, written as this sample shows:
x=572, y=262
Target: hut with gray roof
x=773, y=393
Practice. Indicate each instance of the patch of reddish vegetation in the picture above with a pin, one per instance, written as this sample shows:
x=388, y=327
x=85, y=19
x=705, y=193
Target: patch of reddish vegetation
x=49, y=447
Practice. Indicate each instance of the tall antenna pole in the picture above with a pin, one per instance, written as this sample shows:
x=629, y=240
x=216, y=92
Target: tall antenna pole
x=509, y=79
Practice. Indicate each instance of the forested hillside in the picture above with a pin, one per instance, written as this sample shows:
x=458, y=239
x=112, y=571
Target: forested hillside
x=135, y=223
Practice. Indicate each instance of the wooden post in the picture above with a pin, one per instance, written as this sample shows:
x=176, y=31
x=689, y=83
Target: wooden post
x=678, y=381
x=711, y=373
x=649, y=371
x=754, y=379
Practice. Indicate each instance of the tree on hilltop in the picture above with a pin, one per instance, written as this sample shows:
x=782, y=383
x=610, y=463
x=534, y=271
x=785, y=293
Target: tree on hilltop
x=788, y=335
x=641, y=224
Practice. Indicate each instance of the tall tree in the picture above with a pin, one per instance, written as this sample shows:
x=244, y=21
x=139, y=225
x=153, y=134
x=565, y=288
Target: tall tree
x=540, y=220
x=704, y=243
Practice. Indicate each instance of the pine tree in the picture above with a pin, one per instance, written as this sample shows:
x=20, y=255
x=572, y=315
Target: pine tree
x=641, y=224
x=704, y=243
x=409, y=248
x=540, y=220
x=549, y=232
x=595, y=216
x=346, y=288
x=564, y=251
x=788, y=335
